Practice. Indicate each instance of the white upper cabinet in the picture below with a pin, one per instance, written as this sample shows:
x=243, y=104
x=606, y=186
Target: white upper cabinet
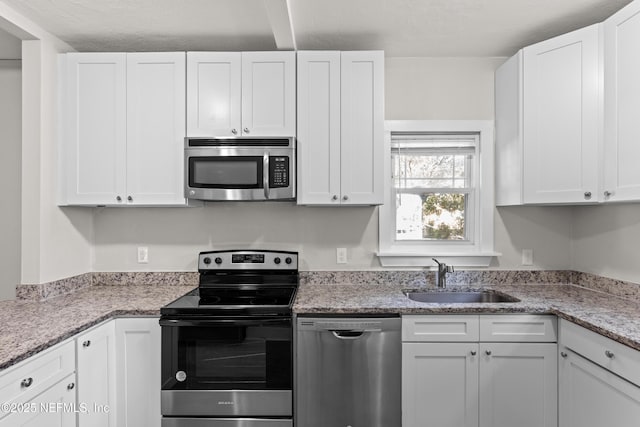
x=95, y=130
x=124, y=128
x=155, y=128
x=548, y=123
x=340, y=128
x=241, y=94
x=213, y=93
x=622, y=104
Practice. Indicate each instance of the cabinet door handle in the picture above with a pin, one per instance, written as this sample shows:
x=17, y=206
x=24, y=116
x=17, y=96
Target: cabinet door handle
x=245, y=130
x=130, y=199
x=487, y=352
x=473, y=352
x=234, y=131
x=609, y=354
x=26, y=382
x=334, y=197
x=86, y=344
x=71, y=386
x=563, y=354
x=607, y=194
x=345, y=198
x=118, y=198
x=587, y=194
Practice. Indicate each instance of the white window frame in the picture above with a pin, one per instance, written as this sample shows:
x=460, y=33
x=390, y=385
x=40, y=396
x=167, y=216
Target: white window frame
x=477, y=253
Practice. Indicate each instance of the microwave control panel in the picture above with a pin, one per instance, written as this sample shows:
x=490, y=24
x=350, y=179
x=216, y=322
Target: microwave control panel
x=278, y=171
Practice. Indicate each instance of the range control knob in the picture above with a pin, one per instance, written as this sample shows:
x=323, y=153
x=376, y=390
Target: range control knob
x=218, y=260
x=207, y=260
x=287, y=260
x=276, y=260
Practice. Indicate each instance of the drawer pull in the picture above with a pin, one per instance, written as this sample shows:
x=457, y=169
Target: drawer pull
x=71, y=386
x=609, y=354
x=26, y=382
x=87, y=343
x=488, y=352
x=473, y=352
x=563, y=354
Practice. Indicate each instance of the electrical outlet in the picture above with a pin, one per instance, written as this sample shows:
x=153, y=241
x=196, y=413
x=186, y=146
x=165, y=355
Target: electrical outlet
x=527, y=257
x=341, y=255
x=143, y=254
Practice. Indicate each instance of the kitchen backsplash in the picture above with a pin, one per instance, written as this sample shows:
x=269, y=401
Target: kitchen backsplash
x=408, y=279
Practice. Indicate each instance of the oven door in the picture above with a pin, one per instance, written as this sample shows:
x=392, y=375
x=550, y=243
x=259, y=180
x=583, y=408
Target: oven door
x=259, y=173
x=232, y=367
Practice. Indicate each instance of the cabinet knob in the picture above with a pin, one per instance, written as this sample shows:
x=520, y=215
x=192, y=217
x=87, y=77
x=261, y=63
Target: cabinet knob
x=87, y=343
x=473, y=352
x=71, y=386
x=26, y=382
x=334, y=197
x=118, y=198
x=487, y=352
x=587, y=194
x=563, y=354
x=609, y=354
x=129, y=198
x=246, y=130
x=234, y=131
x=608, y=194
x=345, y=197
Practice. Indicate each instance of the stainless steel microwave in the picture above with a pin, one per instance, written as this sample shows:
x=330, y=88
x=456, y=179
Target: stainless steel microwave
x=219, y=169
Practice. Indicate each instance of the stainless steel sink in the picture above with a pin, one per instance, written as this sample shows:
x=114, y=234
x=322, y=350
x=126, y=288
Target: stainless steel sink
x=462, y=297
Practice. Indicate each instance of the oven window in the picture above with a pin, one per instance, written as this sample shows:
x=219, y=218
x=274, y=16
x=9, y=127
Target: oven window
x=226, y=172
x=229, y=357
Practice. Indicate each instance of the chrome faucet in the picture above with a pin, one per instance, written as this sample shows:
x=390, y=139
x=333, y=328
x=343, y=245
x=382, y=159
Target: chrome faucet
x=441, y=273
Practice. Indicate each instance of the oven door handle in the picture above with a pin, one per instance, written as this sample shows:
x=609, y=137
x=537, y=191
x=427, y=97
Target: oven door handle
x=225, y=322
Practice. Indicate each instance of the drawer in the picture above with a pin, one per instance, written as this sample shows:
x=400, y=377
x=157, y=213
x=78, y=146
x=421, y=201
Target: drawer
x=22, y=382
x=440, y=328
x=617, y=358
x=519, y=328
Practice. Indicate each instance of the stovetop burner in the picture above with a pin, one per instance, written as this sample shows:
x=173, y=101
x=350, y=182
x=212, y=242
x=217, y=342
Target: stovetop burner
x=241, y=283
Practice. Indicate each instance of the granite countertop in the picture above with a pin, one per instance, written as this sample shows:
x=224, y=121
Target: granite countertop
x=28, y=327
x=613, y=317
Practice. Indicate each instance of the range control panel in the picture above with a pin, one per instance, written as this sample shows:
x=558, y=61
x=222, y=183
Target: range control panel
x=247, y=260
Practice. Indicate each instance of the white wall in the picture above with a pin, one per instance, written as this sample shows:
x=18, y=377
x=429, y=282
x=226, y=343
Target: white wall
x=416, y=88
x=10, y=175
x=606, y=241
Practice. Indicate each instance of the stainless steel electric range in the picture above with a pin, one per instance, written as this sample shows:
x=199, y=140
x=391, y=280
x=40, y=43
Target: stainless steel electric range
x=227, y=354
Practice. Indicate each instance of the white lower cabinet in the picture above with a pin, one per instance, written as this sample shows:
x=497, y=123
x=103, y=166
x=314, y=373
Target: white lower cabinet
x=96, y=361
x=56, y=407
x=138, y=372
x=599, y=394
x=478, y=383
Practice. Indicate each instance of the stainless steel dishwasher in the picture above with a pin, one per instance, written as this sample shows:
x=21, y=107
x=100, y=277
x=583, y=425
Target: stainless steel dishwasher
x=348, y=372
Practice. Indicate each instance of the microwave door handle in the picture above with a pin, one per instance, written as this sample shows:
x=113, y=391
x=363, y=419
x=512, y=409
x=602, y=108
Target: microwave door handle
x=265, y=175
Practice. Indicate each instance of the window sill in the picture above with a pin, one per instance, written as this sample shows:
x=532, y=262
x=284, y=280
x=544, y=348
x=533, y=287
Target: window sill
x=472, y=259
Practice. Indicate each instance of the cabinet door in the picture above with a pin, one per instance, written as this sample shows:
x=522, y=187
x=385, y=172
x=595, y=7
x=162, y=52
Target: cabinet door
x=155, y=128
x=440, y=384
x=56, y=407
x=213, y=94
x=561, y=118
x=622, y=104
x=97, y=376
x=268, y=93
x=138, y=372
x=318, y=128
x=94, y=155
x=518, y=385
x=591, y=396
x=362, y=123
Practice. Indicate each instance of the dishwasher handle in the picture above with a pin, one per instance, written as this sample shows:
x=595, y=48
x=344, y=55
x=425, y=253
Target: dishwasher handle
x=351, y=334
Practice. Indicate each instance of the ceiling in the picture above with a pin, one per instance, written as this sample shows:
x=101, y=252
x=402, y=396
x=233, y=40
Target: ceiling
x=402, y=28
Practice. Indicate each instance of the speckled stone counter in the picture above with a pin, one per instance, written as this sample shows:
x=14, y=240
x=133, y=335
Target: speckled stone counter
x=613, y=317
x=28, y=327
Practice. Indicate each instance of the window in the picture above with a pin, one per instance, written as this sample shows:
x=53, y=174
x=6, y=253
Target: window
x=439, y=195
